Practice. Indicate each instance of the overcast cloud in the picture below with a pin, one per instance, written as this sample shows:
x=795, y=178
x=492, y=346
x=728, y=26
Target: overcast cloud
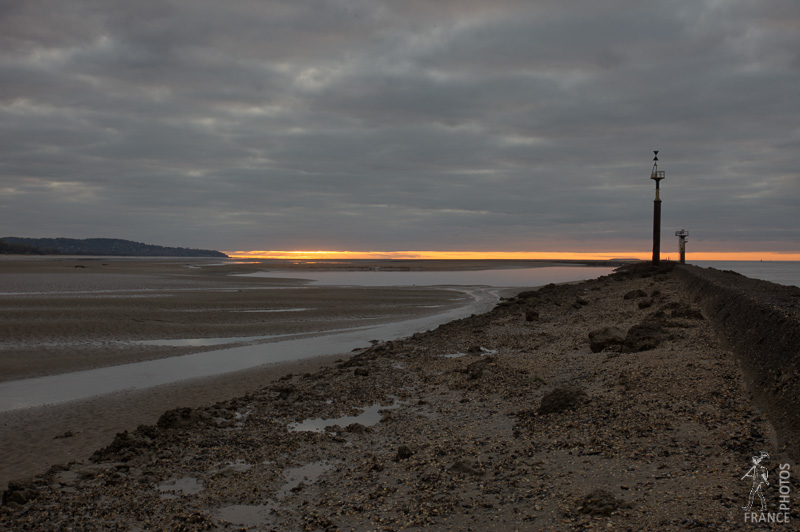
x=394, y=125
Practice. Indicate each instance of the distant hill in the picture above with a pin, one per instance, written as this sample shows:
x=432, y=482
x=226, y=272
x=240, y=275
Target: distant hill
x=96, y=246
x=7, y=248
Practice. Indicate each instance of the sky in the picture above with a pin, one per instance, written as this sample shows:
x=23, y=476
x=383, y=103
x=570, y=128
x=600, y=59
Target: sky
x=375, y=125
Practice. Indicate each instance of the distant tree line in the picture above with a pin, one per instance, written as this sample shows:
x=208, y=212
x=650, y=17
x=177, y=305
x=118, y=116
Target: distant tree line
x=96, y=246
x=10, y=248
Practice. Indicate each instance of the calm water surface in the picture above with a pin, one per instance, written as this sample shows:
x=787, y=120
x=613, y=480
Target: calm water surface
x=781, y=272
x=516, y=277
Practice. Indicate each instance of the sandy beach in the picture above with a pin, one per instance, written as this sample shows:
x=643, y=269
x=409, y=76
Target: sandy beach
x=611, y=404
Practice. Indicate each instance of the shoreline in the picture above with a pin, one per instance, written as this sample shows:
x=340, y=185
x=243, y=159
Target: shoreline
x=511, y=419
x=60, y=315
x=37, y=438
x=30, y=435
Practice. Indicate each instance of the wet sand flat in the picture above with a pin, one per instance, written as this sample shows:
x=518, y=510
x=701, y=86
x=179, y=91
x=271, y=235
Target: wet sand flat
x=67, y=314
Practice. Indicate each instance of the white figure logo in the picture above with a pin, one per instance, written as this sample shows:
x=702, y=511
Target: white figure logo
x=760, y=476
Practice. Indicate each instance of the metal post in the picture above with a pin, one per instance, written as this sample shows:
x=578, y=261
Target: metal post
x=657, y=228
x=682, y=234
x=657, y=176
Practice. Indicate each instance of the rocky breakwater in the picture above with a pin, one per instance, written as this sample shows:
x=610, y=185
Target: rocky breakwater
x=760, y=322
x=607, y=404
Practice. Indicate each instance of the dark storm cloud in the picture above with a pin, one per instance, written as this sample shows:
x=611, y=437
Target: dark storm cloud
x=399, y=125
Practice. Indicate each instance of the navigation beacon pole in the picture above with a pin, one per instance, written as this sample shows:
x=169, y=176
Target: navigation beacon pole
x=656, y=175
x=682, y=234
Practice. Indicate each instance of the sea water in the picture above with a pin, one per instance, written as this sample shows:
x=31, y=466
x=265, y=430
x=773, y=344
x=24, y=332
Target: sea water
x=500, y=277
x=780, y=272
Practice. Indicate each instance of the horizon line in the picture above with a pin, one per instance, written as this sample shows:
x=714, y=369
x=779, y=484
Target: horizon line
x=508, y=255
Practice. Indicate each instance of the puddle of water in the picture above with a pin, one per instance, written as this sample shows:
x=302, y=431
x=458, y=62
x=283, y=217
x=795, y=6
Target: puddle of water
x=245, y=514
x=173, y=489
x=484, y=352
x=259, y=514
x=308, y=473
x=249, y=340
x=370, y=416
x=201, y=342
x=274, y=310
x=238, y=466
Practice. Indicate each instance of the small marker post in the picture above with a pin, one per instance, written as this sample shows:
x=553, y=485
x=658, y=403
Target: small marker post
x=682, y=234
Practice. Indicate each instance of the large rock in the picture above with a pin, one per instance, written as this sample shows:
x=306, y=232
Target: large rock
x=602, y=338
x=686, y=311
x=126, y=445
x=531, y=315
x=403, y=453
x=182, y=418
x=635, y=294
x=19, y=492
x=601, y=502
x=643, y=337
x=476, y=369
x=466, y=467
x=561, y=399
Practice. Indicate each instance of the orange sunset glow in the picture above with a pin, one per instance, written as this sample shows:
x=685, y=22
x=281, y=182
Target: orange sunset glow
x=509, y=255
